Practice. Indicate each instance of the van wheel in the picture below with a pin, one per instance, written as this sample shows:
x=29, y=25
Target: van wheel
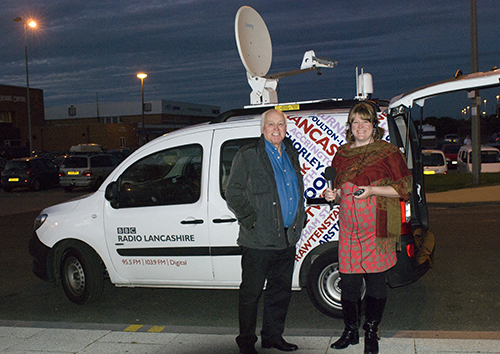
x=82, y=275
x=7, y=189
x=323, y=284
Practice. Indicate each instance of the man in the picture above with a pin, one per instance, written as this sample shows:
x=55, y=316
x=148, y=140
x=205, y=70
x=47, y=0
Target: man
x=265, y=191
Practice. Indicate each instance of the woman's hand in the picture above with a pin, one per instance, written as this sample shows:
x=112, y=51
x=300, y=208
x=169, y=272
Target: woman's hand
x=382, y=191
x=331, y=194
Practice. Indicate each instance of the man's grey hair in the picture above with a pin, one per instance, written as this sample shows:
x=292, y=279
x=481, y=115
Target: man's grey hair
x=264, y=115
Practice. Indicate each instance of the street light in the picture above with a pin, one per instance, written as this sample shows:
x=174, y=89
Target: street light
x=142, y=76
x=31, y=24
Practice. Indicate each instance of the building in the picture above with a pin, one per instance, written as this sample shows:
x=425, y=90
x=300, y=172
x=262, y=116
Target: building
x=113, y=125
x=118, y=125
x=14, y=125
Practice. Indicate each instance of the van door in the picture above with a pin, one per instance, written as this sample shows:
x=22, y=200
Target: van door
x=223, y=226
x=403, y=134
x=156, y=227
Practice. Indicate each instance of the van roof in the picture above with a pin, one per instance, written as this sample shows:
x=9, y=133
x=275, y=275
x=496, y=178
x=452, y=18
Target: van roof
x=296, y=106
x=483, y=148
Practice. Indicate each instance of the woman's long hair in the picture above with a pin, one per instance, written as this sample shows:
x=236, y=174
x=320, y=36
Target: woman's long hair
x=366, y=112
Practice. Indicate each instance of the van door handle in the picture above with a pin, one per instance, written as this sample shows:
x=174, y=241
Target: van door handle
x=195, y=221
x=220, y=221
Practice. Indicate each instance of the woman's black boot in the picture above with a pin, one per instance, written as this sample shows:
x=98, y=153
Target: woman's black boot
x=351, y=314
x=373, y=315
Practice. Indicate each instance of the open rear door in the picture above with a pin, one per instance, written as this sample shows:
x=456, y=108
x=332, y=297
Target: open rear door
x=400, y=122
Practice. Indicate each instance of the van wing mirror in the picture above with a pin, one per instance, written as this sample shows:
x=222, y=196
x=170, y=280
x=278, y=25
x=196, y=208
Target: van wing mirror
x=111, y=193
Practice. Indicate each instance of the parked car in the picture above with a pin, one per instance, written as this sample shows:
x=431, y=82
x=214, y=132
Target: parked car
x=451, y=153
x=451, y=138
x=490, y=159
x=3, y=162
x=86, y=170
x=120, y=154
x=495, y=138
x=58, y=160
x=34, y=173
x=434, y=162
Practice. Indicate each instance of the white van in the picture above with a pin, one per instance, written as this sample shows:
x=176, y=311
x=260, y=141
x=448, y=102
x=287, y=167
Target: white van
x=434, y=162
x=490, y=159
x=160, y=219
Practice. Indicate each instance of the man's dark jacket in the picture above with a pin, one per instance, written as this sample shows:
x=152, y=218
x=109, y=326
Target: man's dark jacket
x=252, y=195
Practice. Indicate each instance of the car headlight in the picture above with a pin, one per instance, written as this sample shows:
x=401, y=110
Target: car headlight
x=40, y=219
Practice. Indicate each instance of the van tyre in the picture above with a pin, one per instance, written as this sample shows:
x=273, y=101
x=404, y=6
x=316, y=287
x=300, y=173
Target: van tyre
x=82, y=275
x=323, y=284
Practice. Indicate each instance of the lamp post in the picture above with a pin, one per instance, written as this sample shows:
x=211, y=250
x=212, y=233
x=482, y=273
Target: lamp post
x=31, y=24
x=142, y=76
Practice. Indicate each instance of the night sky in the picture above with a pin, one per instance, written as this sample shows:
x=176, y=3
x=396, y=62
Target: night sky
x=84, y=50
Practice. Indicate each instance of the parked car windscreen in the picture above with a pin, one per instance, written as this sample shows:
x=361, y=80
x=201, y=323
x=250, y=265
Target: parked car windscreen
x=451, y=149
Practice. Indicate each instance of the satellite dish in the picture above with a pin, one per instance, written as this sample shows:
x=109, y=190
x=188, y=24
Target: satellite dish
x=253, y=41
x=256, y=53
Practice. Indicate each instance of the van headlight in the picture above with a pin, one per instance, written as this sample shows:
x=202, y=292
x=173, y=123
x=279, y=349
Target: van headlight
x=40, y=219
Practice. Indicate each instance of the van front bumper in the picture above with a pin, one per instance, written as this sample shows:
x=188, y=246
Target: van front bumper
x=39, y=253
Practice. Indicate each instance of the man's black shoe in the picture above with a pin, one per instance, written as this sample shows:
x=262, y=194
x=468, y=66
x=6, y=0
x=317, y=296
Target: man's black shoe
x=281, y=345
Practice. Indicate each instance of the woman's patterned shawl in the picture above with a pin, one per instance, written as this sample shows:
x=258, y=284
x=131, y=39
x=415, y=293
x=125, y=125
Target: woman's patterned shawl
x=377, y=164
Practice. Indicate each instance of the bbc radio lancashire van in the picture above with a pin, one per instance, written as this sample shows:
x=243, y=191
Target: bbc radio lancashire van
x=160, y=219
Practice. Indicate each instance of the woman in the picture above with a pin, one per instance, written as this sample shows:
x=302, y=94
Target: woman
x=371, y=179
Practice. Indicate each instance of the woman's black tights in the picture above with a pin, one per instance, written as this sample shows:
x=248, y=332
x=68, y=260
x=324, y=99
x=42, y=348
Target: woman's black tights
x=351, y=285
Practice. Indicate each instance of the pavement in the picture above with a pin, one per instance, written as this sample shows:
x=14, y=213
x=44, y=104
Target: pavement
x=61, y=338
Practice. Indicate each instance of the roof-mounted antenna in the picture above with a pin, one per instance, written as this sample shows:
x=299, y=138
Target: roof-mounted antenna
x=255, y=49
x=364, y=85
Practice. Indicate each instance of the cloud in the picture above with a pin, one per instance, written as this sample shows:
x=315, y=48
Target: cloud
x=188, y=47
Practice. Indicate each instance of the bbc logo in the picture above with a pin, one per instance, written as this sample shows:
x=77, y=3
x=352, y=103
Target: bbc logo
x=126, y=230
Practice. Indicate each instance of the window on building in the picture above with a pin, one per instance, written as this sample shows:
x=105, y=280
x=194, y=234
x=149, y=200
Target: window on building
x=147, y=107
x=5, y=117
x=72, y=111
x=123, y=142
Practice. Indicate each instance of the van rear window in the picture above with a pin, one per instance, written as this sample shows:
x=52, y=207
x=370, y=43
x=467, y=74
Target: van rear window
x=75, y=162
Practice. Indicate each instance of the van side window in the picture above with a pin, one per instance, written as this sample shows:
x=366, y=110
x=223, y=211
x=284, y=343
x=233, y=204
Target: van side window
x=167, y=177
x=490, y=157
x=227, y=153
